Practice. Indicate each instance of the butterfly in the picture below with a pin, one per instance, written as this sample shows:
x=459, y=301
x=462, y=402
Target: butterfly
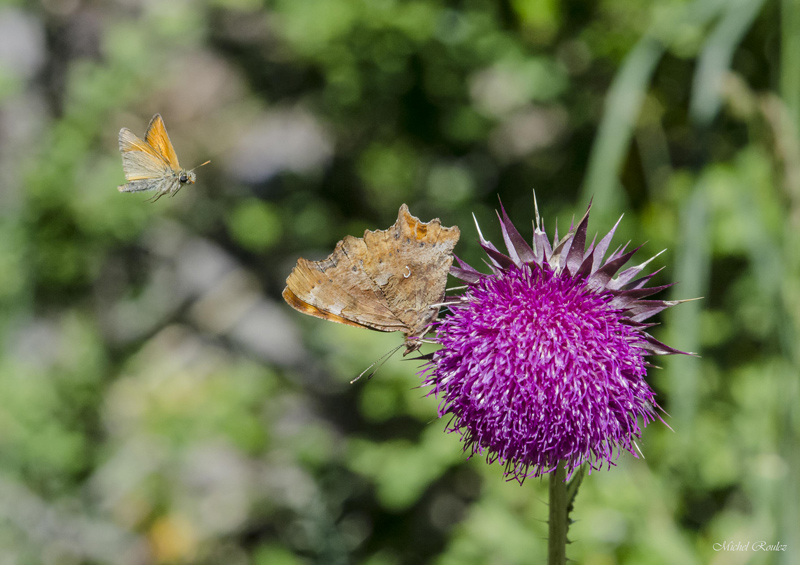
x=151, y=163
x=390, y=280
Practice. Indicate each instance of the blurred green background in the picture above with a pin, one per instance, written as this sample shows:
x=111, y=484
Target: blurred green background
x=159, y=403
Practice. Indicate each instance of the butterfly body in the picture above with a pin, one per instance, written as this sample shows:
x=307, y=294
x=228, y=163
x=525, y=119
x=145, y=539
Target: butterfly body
x=389, y=280
x=150, y=164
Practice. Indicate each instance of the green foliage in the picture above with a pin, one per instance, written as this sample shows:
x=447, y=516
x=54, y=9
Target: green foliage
x=255, y=225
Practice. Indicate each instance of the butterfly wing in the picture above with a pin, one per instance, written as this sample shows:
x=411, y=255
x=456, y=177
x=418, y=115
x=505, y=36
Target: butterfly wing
x=336, y=289
x=145, y=169
x=156, y=135
x=409, y=262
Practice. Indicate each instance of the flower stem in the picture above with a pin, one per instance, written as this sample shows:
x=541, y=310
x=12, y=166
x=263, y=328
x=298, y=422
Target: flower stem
x=557, y=539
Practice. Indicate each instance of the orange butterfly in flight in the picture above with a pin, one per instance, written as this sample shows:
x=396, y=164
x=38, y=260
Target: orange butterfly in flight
x=151, y=164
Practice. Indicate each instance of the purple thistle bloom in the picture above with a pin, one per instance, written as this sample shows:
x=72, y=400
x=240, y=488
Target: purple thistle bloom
x=543, y=359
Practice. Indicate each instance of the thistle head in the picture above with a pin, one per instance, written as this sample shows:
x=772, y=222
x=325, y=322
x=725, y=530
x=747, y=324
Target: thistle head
x=543, y=359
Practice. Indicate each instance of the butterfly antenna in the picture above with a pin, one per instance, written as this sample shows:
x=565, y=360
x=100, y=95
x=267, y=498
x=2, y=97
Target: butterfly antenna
x=379, y=362
x=198, y=166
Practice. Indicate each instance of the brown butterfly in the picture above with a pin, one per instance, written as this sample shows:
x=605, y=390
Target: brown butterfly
x=391, y=280
x=151, y=163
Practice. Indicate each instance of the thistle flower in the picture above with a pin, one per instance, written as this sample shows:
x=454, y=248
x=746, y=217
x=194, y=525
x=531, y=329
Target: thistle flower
x=543, y=359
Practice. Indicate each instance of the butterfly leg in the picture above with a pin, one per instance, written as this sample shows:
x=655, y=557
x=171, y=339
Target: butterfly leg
x=176, y=186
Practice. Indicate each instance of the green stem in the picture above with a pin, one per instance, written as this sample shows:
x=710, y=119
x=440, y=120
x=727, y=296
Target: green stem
x=557, y=540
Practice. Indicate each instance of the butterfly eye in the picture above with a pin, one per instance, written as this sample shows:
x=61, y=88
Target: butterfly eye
x=183, y=178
